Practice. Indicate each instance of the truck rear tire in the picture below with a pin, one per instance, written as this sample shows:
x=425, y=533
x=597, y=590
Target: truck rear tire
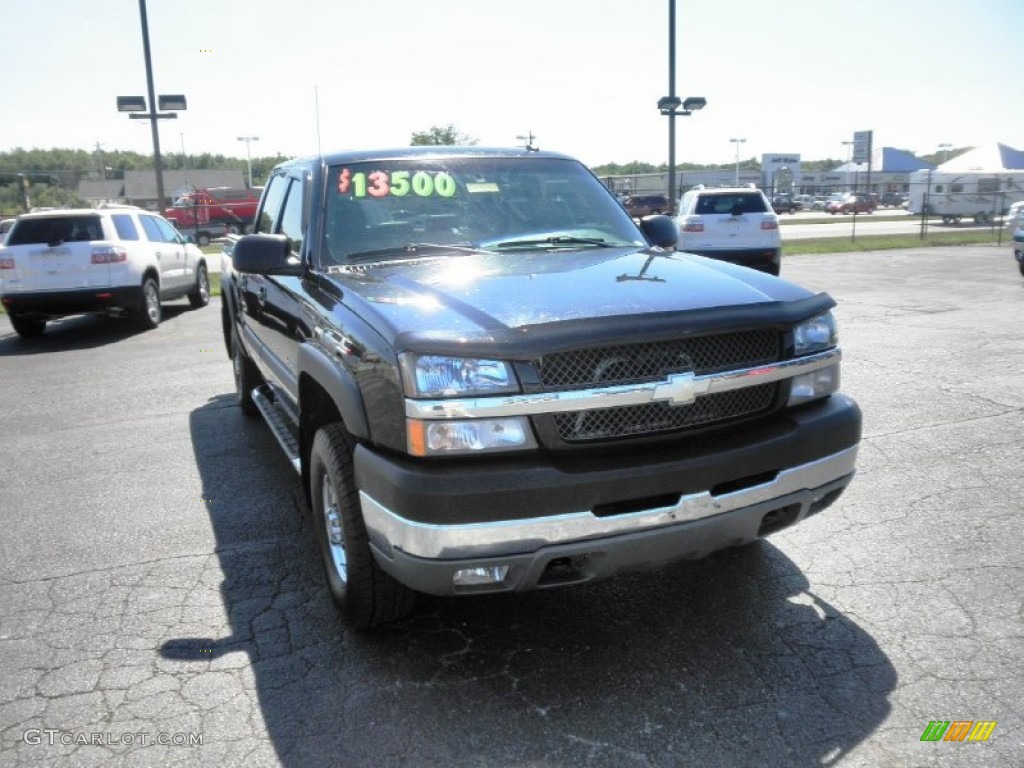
x=365, y=595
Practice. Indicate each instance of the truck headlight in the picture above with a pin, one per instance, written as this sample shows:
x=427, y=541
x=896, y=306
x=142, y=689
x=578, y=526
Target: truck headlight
x=815, y=335
x=438, y=376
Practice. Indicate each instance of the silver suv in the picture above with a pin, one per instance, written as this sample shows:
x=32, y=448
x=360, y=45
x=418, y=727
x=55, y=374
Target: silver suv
x=118, y=261
x=735, y=224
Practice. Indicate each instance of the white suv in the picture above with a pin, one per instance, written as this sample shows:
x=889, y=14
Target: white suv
x=121, y=260
x=735, y=224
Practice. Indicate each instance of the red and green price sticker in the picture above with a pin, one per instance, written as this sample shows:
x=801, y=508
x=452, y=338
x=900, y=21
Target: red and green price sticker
x=396, y=183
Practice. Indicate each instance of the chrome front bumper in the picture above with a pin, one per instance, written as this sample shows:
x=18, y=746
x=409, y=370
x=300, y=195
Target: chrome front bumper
x=390, y=533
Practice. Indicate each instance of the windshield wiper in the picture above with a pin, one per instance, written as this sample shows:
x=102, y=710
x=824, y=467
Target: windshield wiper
x=555, y=240
x=409, y=249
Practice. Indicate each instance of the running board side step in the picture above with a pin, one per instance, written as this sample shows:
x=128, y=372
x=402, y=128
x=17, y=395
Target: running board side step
x=281, y=423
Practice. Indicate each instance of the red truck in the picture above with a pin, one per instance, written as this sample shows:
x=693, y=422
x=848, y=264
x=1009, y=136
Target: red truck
x=213, y=212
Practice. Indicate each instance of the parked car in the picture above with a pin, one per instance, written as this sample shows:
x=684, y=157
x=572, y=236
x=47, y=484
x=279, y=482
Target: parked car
x=645, y=205
x=734, y=224
x=118, y=261
x=785, y=204
x=893, y=199
x=856, y=202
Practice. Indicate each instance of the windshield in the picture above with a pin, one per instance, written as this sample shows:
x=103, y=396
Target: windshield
x=392, y=208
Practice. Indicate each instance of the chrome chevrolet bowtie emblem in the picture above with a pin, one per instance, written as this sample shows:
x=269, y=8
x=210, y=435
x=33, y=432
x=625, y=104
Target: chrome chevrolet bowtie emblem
x=680, y=389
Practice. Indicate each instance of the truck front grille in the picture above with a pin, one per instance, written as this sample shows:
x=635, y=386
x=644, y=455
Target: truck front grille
x=651, y=361
x=654, y=361
x=611, y=423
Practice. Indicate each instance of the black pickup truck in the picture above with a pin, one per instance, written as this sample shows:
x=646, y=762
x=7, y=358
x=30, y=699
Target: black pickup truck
x=490, y=378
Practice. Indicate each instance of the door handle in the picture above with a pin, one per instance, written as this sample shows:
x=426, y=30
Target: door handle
x=261, y=295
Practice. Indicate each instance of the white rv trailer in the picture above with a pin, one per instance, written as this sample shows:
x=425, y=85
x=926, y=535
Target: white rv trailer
x=979, y=195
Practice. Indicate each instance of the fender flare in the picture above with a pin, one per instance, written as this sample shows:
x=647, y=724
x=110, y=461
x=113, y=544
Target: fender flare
x=338, y=384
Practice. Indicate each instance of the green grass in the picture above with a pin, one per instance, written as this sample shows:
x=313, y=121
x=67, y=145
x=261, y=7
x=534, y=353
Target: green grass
x=822, y=245
x=828, y=218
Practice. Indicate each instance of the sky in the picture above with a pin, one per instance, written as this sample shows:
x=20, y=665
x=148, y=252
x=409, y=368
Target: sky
x=584, y=76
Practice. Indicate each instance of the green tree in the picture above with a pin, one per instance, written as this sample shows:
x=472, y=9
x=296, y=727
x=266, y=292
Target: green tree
x=438, y=136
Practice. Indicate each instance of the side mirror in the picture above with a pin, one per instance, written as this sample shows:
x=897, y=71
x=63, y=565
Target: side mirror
x=265, y=255
x=660, y=230
x=190, y=239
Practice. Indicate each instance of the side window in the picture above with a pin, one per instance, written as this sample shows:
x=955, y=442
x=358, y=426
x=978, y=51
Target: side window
x=273, y=200
x=158, y=230
x=151, y=229
x=126, y=229
x=291, y=218
x=167, y=231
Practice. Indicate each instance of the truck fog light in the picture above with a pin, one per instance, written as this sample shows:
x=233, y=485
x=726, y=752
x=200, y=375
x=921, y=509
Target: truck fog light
x=478, y=577
x=814, y=385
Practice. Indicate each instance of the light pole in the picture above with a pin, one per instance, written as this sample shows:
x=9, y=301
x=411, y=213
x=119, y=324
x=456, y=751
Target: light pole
x=945, y=150
x=670, y=105
x=737, y=142
x=137, y=106
x=248, y=156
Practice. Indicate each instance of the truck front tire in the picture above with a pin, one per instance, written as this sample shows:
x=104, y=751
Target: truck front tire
x=364, y=594
x=247, y=377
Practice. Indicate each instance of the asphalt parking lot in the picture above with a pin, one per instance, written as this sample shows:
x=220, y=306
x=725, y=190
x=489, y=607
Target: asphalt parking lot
x=158, y=581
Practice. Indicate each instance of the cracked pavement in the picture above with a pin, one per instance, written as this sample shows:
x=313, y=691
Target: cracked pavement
x=159, y=579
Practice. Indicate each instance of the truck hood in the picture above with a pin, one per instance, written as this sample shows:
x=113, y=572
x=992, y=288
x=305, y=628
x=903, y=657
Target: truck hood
x=517, y=299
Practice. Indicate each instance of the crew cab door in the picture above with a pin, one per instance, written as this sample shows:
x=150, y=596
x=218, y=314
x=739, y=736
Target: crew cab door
x=271, y=301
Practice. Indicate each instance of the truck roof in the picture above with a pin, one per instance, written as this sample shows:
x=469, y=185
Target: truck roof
x=447, y=151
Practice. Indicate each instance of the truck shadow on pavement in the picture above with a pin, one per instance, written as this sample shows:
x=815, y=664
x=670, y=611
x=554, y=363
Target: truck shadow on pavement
x=727, y=661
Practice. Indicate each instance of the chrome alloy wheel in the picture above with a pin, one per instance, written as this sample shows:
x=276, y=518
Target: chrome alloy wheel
x=332, y=525
x=152, y=299
x=204, y=286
